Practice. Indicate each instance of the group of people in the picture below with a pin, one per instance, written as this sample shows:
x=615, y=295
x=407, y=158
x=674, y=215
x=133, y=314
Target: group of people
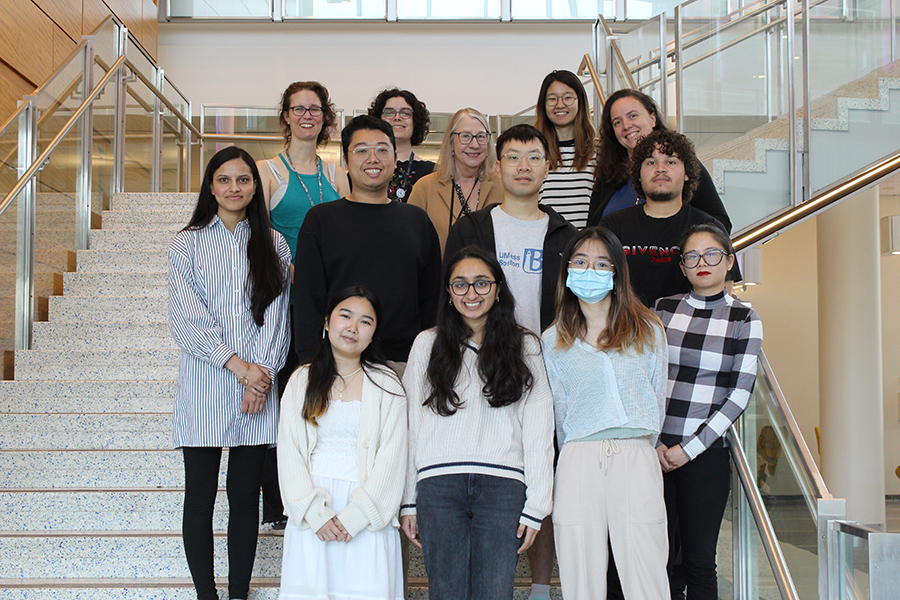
x=530, y=346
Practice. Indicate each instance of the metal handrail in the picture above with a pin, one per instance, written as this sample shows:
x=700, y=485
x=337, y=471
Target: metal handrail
x=770, y=544
x=587, y=63
x=617, y=53
x=39, y=162
x=166, y=101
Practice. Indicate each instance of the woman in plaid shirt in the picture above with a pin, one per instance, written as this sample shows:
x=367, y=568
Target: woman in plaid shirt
x=714, y=341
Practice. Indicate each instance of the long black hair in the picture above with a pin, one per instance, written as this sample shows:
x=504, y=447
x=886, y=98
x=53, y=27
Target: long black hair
x=322, y=369
x=501, y=361
x=612, y=157
x=265, y=277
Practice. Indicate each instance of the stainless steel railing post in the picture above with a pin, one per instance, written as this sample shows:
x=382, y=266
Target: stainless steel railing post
x=83, y=182
x=25, y=226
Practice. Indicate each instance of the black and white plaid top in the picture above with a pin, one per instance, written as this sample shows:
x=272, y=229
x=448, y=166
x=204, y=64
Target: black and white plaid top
x=713, y=347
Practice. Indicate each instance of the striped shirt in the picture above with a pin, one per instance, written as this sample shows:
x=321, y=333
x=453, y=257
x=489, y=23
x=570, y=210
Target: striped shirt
x=210, y=319
x=567, y=191
x=714, y=343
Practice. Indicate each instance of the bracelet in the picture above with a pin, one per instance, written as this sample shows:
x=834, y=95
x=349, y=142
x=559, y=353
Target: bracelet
x=243, y=380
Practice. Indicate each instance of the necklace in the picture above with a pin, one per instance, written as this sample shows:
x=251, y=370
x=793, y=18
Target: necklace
x=346, y=383
x=318, y=177
x=464, y=200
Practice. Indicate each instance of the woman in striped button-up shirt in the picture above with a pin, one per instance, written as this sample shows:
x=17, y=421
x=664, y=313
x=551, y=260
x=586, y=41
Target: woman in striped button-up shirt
x=228, y=294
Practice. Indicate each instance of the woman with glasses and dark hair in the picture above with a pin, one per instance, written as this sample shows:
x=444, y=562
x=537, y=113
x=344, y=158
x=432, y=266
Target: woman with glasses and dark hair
x=228, y=301
x=480, y=436
x=628, y=116
x=714, y=342
x=464, y=178
x=409, y=119
x=563, y=116
x=606, y=360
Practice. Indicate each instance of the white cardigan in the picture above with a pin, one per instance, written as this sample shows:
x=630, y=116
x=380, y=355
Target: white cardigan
x=381, y=448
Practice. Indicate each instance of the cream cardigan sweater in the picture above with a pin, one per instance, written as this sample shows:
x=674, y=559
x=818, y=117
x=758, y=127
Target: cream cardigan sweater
x=381, y=448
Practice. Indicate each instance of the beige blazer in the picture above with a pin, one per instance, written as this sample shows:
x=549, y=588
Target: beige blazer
x=436, y=198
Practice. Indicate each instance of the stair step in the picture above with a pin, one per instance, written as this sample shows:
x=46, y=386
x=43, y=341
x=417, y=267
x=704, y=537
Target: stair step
x=144, y=200
x=96, y=365
x=122, y=261
x=160, y=218
x=25, y=397
x=60, y=431
x=103, y=336
x=135, y=309
x=124, y=589
x=115, y=284
x=150, y=239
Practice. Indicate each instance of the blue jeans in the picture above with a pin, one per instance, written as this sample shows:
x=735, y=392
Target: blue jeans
x=467, y=524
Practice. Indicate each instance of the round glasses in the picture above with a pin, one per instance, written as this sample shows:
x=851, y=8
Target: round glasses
x=580, y=265
x=299, y=111
x=710, y=257
x=366, y=151
x=533, y=160
x=567, y=100
x=389, y=113
x=461, y=288
x=465, y=138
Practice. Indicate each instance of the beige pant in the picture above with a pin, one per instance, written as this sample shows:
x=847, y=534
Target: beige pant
x=610, y=490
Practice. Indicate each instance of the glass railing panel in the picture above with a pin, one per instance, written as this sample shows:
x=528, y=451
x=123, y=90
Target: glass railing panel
x=222, y=9
x=140, y=62
x=562, y=9
x=175, y=140
x=326, y=9
x=852, y=575
x=242, y=120
x=103, y=149
x=448, y=9
x=58, y=99
x=9, y=238
x=138, y=165
x=642, y=45
x=105, y=48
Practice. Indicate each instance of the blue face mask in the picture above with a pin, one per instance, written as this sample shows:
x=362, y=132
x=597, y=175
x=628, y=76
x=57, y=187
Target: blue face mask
x=591, y=286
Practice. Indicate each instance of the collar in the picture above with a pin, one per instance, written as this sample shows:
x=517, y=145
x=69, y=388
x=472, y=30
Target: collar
x=709, y=302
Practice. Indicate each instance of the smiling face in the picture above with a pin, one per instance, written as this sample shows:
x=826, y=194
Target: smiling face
x=524, y=179
x=471, y=155
x=403, y=127
x=370, y=159
x=662, y=177
x=306, y=127
x=233, y=187
x=351, y=327
x=473, y=307
x=630, y=121
x=555, y=104
x=706, y=279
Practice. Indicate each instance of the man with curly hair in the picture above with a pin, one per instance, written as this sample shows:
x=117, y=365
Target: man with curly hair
x=665, y=172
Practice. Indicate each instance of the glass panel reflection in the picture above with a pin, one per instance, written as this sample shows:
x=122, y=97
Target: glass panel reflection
x=448, y=9
x=223, y=9
x=335, y=9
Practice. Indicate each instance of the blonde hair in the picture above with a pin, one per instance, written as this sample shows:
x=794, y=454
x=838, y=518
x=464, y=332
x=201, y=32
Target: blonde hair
x=446, y=165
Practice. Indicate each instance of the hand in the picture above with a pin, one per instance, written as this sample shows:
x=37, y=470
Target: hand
x=677, y=457
x=340, y=526
x=258, y=379
x=663, y=461
x=527, y=535
x=408, y=525
x=331, y=531
x=251, y=402
x=292, y=273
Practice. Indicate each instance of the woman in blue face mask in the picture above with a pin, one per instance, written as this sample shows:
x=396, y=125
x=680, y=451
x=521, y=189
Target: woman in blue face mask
x=606, y=358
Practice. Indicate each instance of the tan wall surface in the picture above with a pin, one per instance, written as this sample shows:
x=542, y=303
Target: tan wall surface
x=890, y=349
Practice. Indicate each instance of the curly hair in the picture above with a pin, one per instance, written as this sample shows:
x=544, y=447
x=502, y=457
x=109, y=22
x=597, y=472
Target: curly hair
x=329, y=115
x=612, y=157
x=421, y=117
x=584, y=130
x=670, y=143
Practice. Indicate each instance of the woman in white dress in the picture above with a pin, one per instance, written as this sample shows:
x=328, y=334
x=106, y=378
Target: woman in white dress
x=341, y=459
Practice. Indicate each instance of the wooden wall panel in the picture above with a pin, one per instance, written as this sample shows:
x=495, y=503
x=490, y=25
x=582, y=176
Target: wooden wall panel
x=94, y=12
x=65, y=13
x=151, y=22
x=62, y=47
x=12, y=88
x=26, y=39
x=130, y=12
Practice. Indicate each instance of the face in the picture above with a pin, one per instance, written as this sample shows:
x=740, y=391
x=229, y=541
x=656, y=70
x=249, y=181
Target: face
x=662, y=177
x=307, y=126
x=593, y=253
x=472, y=154
x=524, y=179
x=370, y=159
x=403, y=128
x=351, y=326
x=706, y=279
x=473, y=307
x=233, y=187
x=557, y=95
x=630, y=121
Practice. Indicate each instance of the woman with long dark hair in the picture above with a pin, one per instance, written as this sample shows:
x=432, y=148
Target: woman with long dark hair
x=563, y=116
x=481, y=436
x=628, y=116
x=228, y=282
x=341, y=451
x=606, y=360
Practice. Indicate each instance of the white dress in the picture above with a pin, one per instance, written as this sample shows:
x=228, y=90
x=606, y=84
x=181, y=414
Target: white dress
x=369, y=567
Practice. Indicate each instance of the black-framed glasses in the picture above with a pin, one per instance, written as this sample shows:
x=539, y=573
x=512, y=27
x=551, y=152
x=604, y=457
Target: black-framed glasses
x=710, y=257
x=580, y=265
x=389, y=113
x=461, y=288
x=465, y=138
x=299, y=111
x=514, y=159
x=567, y=100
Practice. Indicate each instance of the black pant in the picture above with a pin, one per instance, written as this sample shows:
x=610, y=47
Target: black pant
x=201, y=475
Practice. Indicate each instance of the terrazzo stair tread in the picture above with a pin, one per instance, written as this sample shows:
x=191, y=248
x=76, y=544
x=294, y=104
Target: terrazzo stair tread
x=51, y=217
x=127, y=592
x=50, y=397
x=103, y=336
x=150, y=218
x=73, y=431
x=115, y=284
x=149, y=239
x=144, y=309
x=143, y=200
x=100, y=364
x=127, y=261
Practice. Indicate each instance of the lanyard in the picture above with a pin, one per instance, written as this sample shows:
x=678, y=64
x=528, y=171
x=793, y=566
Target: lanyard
x=401, y=189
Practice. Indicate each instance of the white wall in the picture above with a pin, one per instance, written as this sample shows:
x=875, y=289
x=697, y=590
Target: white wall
x=493, y=67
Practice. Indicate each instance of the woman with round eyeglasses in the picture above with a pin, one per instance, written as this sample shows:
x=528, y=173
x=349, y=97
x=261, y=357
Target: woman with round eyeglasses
x=480, y=436
x=606, y=360
x=563, y=116
x=464, y=179
x=409, y=119
x=714, y=342
x=628, y=116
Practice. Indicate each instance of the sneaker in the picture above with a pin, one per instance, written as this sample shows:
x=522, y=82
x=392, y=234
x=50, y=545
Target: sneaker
x=274, y=528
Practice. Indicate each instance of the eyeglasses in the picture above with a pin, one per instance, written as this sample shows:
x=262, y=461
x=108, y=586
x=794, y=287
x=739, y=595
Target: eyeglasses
x=482, y=287
x=299, y=111
x=533, y=160
x=389, y=113
x=580, y=265
x=465, y=138
x=567, y=100
x=366, y=151
x=710, y=257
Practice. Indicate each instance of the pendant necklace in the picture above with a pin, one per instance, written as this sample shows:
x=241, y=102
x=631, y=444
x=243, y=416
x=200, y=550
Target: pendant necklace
x=346, y=383
x=318, y=177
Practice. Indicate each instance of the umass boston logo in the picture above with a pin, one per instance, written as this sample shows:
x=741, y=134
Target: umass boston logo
x=655, y=253
x=531, y=262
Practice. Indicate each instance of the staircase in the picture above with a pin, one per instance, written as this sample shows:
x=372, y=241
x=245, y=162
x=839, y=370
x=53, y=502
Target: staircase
x=91, y=497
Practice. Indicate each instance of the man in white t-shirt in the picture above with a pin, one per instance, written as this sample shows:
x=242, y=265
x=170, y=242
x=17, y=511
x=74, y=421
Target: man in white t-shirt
x=528, y=239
